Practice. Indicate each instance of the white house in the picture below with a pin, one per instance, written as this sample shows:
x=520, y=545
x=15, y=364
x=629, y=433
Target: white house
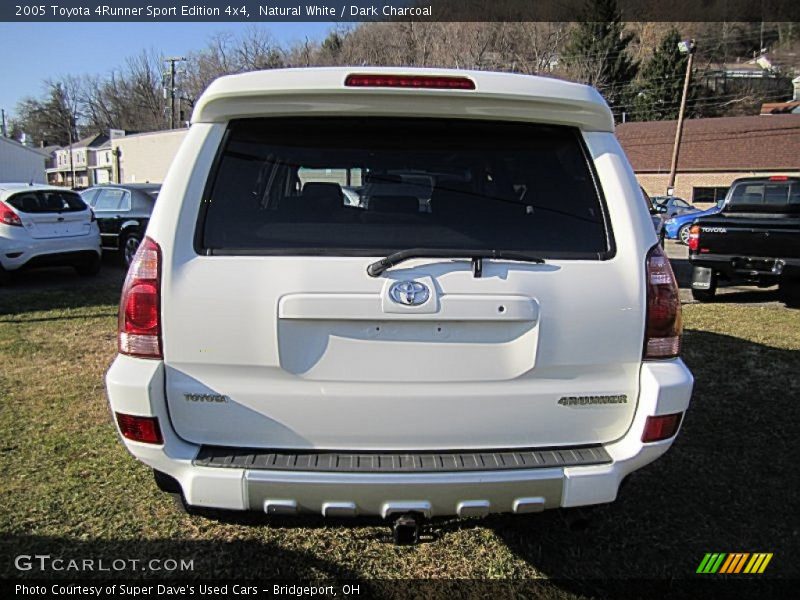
x=79, y=164
x=20, y=163
x=101, y=163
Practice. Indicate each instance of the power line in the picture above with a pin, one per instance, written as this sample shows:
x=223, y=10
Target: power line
x=720, y=99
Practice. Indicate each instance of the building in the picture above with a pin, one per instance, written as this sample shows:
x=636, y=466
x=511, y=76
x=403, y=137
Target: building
x=713, y=153
x=72, y=163
x=19, y=163
x=145, y=157
x=789, y=107
x=101, y=164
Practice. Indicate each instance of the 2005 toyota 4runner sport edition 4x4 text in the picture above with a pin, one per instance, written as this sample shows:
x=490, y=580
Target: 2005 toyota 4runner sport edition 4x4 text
x=398, y=292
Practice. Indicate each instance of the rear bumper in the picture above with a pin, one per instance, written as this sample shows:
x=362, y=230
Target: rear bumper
x=21, y=251
x=135, y=386
x=748, y=267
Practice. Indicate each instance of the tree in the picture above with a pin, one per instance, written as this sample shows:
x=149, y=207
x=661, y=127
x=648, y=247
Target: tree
x=534, y=47
x=659, y=90
x=54, y=118
x=597, y=52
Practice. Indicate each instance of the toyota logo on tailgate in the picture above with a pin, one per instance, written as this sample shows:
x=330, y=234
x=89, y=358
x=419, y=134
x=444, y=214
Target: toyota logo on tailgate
x=410, y=293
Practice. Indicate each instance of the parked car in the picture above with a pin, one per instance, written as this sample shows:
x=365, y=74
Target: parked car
x=123, y=212
x=753, y=240
x=657, y=217
x=512, y=347
x=677, y=228
x=672, y=206
x=42, y=226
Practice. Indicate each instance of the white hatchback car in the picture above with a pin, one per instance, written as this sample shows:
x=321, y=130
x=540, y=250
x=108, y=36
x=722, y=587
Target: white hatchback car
x=490, y=327
x=42, y=226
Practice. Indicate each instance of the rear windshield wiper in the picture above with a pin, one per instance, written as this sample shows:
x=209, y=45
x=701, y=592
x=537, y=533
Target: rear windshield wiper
x=477, y=256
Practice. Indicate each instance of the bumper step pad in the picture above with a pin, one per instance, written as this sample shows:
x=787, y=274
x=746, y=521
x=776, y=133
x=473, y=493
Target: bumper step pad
x=384, y=462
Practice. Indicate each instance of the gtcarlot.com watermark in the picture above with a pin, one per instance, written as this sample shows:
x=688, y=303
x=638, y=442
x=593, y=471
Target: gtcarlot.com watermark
x=47, y=563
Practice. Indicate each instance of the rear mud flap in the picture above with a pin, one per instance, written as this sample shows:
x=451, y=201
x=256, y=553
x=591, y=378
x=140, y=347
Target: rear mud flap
x=701, y=278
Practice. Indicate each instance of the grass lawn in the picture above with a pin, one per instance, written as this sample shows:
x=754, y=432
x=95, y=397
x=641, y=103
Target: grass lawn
x=70, y=489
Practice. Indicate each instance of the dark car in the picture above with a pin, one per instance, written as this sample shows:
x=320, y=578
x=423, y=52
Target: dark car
x=753, y=240
x=123, y=211
x=656, y=215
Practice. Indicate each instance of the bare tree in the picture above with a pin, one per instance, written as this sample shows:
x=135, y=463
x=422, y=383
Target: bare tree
x=535, y=47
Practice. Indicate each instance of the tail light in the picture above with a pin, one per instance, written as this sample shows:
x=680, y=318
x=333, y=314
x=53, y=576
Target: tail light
x=8, y=216
x=661, y=428
x=140, y=306
x=410, y=81
x=664, y=324
x=140, y=429
x=694, y=238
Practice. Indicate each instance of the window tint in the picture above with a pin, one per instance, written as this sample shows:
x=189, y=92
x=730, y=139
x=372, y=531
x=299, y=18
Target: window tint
x=90, y=196
x=373, y=186
x=41, y=201
x=709, y=194
x=112, y=200
x=794, y=195
x=761, y=197
x=776, y=194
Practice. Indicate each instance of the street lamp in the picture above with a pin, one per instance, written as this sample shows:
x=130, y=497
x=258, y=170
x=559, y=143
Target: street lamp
x=684, y=47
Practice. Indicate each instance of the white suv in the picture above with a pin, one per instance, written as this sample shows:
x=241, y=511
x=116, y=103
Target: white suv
x=399, y=291
x=44, y=226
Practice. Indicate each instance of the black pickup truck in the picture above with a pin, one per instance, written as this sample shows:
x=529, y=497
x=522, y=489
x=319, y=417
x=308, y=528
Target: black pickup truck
x=753, y=240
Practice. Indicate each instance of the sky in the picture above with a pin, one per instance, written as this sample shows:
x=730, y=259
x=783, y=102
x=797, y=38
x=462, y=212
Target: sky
x=33, y=52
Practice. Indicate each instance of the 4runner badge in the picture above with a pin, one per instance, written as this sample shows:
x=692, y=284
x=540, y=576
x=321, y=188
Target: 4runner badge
x=592, y=400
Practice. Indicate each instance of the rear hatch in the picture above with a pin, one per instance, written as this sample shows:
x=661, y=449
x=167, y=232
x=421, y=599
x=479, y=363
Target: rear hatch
x=275, y=336
x=52, y=213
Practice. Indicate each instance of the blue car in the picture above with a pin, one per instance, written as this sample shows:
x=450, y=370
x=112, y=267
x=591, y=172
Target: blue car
x=677, y=228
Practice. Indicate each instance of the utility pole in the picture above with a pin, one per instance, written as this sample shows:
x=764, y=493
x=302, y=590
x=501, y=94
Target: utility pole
x=5, y=133
x=172, y=60
x=685, y=47
x=71, y=139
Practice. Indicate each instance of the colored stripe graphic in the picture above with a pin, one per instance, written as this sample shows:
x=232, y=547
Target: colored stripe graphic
x=764, y=564
x=703, y=563
x=727, y=564
x=740, y=563
x=711, y=562
x=734, y=563
x=755, y=562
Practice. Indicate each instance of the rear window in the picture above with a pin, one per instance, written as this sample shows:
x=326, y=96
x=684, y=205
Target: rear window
x=89, y=196
x=765, y=197
x=374, y=186
x=45, y=201
x=112, y=199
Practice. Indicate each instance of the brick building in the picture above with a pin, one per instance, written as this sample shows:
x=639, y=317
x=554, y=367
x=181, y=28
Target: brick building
x=713, y=153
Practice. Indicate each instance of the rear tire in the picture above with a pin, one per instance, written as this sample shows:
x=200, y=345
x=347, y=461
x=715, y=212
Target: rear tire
x=129, y=246
x=89, y=268
x=683, y=234
x=789, y=291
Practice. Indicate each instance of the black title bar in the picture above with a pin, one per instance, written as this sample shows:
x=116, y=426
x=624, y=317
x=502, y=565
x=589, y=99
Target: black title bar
x=392, y=10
